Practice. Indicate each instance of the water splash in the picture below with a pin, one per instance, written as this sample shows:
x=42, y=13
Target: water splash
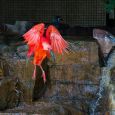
x=105, y=80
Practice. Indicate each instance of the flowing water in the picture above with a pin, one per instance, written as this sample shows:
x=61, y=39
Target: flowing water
x=104, y=82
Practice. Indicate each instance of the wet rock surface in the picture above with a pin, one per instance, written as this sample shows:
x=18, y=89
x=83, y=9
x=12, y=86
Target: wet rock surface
x=72, y=81
x=47, y=108
x=15, y=77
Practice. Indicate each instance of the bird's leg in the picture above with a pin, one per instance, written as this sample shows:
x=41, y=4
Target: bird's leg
x=43, y=74
x=34, y=73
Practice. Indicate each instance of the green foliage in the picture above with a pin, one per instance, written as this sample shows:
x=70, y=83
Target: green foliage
x=110, y=5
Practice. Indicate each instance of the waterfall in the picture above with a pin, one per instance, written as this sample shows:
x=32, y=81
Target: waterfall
x=104, y=82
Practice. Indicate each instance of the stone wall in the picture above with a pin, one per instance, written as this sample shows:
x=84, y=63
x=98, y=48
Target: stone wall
x=73, y=79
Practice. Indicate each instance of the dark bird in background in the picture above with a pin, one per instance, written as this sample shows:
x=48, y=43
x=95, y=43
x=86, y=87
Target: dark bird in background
x=106, y=43
x=60, y=24
x=57, y=20
x=13, y=33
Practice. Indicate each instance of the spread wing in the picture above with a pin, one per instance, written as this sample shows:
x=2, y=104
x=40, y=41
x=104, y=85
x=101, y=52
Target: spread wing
x=32, y=37
x=58, y=44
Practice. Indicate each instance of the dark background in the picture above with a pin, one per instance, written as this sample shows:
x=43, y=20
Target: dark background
x=74, y=12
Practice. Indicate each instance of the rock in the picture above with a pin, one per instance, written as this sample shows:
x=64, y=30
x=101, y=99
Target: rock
x=19, y=68
x=4, y=48
x=24, y=70
x=47, y=108
x=9, y=93
x=22, y=48
x=73, y=79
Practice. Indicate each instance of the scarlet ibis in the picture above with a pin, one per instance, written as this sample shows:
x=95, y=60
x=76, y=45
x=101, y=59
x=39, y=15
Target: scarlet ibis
x=44, y=43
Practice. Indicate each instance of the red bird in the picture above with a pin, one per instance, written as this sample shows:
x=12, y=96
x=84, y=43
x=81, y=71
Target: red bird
x=44, y=46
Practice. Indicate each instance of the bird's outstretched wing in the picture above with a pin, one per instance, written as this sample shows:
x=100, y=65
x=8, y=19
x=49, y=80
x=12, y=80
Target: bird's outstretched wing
x=58, y=44
x=32, y=37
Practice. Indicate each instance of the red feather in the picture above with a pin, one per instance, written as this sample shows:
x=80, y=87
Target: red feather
x=58, y=44
x=41, y=46
x=32, y=37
